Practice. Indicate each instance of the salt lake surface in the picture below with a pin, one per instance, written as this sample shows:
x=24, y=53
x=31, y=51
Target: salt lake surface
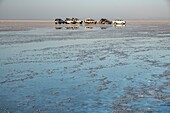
x=84, y=69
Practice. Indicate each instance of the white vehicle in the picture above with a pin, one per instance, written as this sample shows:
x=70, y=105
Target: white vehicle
x=89, y=21
x=69, y=21
x=119, y=21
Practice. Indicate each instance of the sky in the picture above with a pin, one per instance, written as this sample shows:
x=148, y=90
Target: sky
x=111, y=9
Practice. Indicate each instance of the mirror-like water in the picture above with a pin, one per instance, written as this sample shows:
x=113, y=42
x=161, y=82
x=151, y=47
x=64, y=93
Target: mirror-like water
x=85, y=69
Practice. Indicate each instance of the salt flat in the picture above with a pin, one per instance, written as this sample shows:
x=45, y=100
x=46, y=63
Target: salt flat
x=84, y=68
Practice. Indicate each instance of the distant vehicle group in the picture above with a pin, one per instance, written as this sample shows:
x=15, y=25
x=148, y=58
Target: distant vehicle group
x=89, y=21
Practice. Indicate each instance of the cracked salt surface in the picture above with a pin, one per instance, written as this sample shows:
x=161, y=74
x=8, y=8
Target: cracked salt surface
x=116, y=69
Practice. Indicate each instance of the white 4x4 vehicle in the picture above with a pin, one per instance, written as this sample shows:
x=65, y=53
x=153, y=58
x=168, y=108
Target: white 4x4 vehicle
x=69, y=21
x=89, y=21
x=119, y=21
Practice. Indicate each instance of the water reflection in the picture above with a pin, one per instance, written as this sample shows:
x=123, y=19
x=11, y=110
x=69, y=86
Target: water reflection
x=67, y=27
x=88, y=27
x=104, y=27
x=119, y=26
x=58, y=27
x=71, y=28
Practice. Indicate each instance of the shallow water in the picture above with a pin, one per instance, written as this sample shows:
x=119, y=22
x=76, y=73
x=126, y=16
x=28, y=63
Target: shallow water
x=83, y=69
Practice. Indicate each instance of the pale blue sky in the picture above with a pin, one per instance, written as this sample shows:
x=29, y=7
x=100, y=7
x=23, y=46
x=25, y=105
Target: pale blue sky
x=50, y=9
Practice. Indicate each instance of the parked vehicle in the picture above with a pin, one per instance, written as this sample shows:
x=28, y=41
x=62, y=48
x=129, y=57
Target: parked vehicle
x=119, y=21
x=73, y=21
x=77, y=21
x=104, y=21
x=59, y=21
x=69, y=21
x=89, y=21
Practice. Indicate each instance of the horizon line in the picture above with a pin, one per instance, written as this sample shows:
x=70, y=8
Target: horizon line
x=48, y=20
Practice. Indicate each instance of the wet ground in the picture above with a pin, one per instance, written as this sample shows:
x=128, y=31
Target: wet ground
x=84, y=68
